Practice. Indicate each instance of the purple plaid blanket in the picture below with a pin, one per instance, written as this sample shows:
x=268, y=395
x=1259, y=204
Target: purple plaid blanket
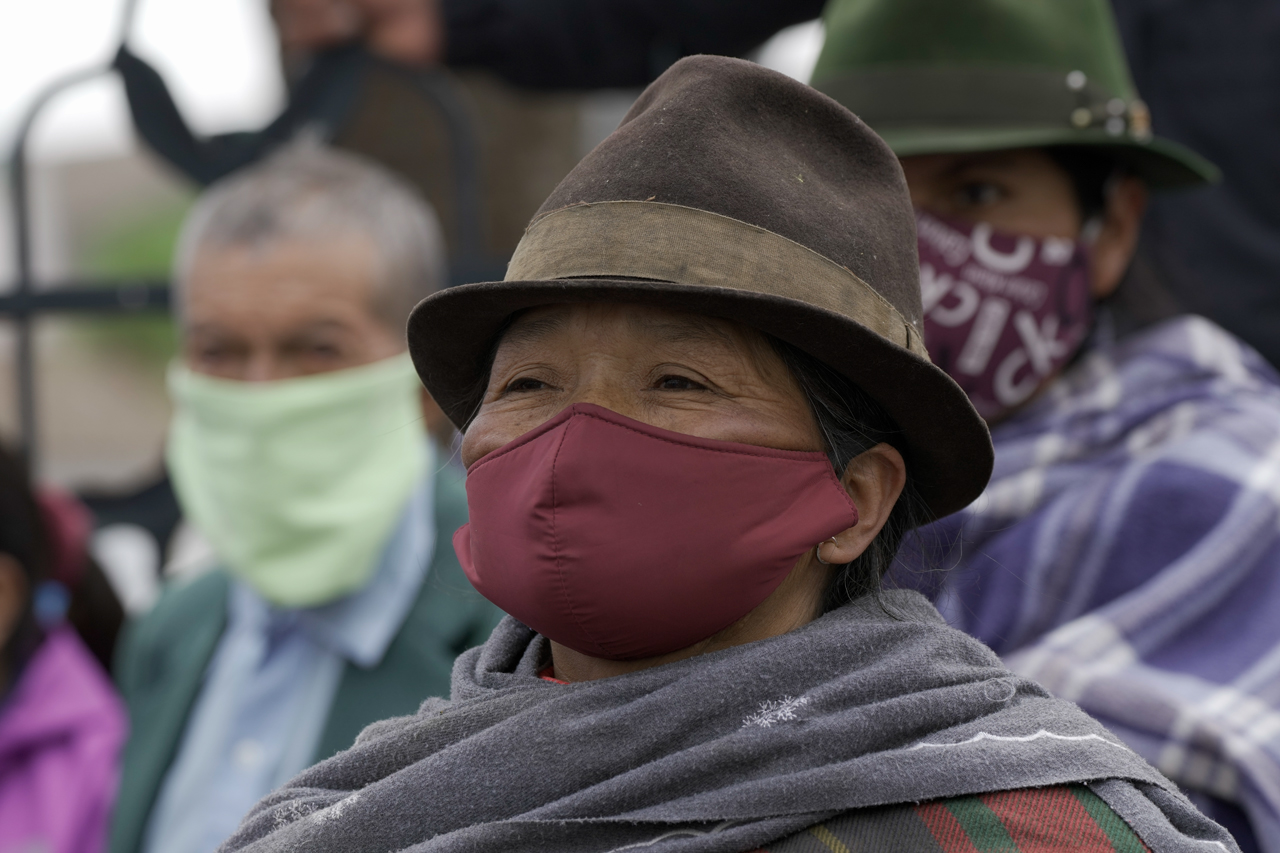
x=1126, y=555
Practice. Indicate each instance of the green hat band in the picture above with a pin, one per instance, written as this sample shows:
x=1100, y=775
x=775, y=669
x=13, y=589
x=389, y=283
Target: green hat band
x=974, y=97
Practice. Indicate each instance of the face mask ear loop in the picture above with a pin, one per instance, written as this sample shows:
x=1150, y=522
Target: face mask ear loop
x=1091, y=230
x=1092, y=227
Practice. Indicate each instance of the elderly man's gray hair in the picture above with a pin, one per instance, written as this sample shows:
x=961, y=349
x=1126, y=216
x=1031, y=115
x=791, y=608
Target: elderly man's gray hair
x=306, y=191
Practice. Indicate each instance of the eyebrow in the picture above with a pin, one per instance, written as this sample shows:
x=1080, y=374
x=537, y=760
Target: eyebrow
x=206, y=327
x=524, y=331
x=325, y=324
x=997, y=160
x=692, y=330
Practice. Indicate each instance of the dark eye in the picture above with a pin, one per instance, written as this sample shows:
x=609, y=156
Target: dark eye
x=211, y=354
x=979, y=194
x=675, y=382
x=526, y=383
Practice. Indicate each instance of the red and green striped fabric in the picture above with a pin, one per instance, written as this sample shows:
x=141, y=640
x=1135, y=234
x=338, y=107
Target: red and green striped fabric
x=1032, y=820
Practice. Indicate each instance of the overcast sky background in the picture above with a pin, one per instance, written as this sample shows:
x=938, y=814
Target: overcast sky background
x=218, y=56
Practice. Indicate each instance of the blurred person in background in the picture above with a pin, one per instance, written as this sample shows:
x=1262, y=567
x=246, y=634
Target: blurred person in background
x=61, y=723
x=543, y=44
x=298, y=449
x=1126, y=551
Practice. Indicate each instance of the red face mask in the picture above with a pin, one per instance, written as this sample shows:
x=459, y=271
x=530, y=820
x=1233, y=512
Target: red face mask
x=622, y=541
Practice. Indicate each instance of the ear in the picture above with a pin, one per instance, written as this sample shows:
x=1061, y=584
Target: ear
x=14, y=592
x=1121, y=225
x=874, y=481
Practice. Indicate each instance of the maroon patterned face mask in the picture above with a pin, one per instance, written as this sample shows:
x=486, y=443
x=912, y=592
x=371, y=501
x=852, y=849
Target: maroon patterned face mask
x=1002, y=312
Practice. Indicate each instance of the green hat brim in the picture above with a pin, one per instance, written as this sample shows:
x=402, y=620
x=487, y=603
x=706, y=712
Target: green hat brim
x=1162, y=164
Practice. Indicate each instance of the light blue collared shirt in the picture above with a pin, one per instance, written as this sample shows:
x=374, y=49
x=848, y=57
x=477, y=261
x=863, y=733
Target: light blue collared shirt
x=269, y=686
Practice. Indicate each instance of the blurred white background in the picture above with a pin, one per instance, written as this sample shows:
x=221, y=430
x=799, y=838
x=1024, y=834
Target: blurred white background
x=219, y=57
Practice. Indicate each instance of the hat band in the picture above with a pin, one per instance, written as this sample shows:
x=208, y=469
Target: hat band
x=685, y=245
x=985, y=97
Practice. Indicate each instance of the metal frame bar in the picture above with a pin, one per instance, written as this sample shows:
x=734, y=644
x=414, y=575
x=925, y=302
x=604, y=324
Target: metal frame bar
x=437, y=89
x=24, y=302
x=122, y=297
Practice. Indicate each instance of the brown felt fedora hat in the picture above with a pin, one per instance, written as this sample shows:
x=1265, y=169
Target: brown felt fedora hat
x=733, y=191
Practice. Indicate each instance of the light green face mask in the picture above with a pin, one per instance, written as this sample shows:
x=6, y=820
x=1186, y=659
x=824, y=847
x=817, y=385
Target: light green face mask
x=297, y=483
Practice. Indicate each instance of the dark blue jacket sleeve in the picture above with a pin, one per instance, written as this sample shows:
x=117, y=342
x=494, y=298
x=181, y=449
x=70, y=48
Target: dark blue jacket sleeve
x=593, y=44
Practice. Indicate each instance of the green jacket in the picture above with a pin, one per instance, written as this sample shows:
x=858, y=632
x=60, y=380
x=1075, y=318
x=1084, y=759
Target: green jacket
x=162, y=658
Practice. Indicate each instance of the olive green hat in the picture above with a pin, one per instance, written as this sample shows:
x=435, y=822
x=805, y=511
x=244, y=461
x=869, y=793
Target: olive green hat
x=944, y=76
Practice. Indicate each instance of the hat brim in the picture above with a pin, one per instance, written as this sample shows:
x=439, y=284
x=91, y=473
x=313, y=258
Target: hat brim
x=1162, y=164
x=946, y=444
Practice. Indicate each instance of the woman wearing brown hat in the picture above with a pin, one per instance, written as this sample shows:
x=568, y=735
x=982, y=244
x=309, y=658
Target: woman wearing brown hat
x=1126, y=551
x=699, y=418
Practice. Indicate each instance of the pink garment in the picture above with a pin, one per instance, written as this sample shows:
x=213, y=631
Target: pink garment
x=61, y=730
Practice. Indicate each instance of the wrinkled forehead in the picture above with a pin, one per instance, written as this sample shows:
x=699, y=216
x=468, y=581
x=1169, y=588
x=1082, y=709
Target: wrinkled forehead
x=633, y=332
x=538, y=325
x=286, y=276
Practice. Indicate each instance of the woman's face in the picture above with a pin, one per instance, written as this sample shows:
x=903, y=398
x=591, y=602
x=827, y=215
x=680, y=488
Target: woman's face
x=1024, y=191
x=689, y=374
x=686, y=373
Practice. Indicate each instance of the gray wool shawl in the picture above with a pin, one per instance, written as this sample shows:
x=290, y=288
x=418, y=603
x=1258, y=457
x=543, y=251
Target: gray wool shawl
x=876, y=703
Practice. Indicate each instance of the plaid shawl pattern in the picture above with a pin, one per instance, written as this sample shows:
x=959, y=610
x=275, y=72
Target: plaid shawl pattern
x=1126, y=555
